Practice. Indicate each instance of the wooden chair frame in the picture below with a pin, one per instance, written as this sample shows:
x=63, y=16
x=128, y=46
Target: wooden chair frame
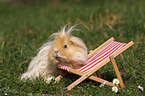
x=96, y=68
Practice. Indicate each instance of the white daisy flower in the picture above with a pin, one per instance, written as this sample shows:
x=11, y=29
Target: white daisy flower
x=140, y=87
x=116, y=81
x=115, y=89
x=49, y=80
x=103, y=83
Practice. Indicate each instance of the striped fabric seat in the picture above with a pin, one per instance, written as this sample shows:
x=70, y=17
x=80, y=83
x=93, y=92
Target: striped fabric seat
x=100, y=56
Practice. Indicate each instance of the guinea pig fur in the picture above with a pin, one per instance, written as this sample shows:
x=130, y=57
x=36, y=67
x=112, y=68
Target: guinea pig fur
x=63, y=50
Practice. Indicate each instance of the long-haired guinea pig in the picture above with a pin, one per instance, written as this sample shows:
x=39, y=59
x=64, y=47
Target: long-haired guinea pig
x=64, y=50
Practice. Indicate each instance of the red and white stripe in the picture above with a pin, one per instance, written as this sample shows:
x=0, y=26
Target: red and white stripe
x=100, y=56
x=64, y=67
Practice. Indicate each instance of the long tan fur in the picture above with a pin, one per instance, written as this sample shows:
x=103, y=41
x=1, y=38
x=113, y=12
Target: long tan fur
x=64, y=50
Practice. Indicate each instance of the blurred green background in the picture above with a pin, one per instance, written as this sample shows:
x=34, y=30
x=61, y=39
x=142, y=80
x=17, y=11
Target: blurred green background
x=26, y=24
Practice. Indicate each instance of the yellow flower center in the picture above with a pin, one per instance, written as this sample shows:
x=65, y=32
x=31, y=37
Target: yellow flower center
x=115, y=89
x=140, y=87
x=116, y=81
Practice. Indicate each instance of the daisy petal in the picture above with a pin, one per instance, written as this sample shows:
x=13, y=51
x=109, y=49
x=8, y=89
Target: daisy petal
x=103, y=83
x=140, y=87
x=49, y=80
x=116, y=81
x=115, y=89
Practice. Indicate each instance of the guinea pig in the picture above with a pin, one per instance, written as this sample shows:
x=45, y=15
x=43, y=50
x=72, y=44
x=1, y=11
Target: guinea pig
x=63, y=50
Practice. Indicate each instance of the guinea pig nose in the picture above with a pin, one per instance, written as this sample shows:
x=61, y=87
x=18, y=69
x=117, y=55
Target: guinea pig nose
x=56, y=50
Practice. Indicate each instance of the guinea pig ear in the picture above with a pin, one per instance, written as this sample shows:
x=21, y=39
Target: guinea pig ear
x=78, y=42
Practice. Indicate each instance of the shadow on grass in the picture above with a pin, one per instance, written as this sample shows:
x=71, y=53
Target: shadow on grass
x=106, y=76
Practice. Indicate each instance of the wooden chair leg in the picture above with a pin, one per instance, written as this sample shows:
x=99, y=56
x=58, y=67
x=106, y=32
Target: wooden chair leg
x=59, y=77
x=98, y=74
x=76, y=82
x=97, y=79
x=84, y=76
x=116, y=71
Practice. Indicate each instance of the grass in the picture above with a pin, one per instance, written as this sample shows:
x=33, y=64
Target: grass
x=25, y=27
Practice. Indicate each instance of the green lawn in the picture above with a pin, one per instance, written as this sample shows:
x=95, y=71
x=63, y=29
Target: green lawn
x=25, y=27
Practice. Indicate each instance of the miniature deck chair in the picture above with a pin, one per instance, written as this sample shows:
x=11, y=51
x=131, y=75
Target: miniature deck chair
x=97, y=59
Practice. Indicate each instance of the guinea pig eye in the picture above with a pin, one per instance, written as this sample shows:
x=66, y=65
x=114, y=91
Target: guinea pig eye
x=64, y=46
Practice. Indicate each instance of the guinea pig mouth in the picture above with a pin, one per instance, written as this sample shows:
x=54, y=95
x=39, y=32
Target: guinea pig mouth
x=58, y=58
